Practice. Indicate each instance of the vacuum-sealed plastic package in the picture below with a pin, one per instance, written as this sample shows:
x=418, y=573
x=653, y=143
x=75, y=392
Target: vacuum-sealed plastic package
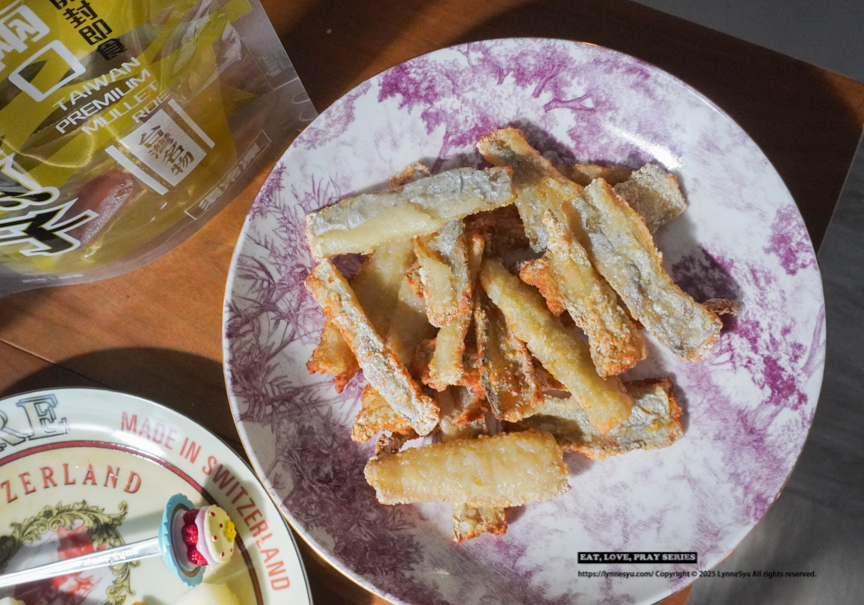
x=124, y=126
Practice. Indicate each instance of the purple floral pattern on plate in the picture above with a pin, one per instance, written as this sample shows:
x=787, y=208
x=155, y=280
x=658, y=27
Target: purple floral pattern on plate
x=747, y=407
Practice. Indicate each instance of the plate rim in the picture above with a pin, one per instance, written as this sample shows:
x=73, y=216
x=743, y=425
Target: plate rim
x=164, y=409
x=320, y=549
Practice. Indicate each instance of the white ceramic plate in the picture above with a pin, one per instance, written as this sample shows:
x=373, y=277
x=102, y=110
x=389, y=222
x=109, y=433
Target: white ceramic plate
x=747, y=407
x=85, y=469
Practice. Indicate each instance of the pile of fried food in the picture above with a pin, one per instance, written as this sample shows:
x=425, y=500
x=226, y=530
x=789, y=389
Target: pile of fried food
x=465, y=320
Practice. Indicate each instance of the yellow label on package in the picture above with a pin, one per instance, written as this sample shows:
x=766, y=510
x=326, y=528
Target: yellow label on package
x=115, y=123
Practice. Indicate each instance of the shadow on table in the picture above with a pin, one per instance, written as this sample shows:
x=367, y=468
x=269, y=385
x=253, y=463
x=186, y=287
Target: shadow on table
x=334, y=30
x=190, y=384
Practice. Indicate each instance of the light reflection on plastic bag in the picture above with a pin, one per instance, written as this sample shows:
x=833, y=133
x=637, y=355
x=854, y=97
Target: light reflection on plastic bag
x=125, y=126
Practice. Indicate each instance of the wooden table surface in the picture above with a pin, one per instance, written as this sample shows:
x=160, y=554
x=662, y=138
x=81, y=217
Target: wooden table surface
x=156, y=332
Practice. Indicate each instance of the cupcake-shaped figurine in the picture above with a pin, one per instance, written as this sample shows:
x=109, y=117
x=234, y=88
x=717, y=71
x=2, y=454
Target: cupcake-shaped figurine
x=194, y=538
x=208, y=534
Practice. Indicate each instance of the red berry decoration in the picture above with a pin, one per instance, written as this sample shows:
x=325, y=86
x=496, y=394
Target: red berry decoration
x=189, y=516
x=196, y=557
x=189, y=533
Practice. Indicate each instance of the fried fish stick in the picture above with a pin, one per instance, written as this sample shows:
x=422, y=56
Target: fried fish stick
x=502, y=230
x=362, y=223
x=446, y=367
x=506, y=371
x=537, y=272
x=651, y=191
x=376, y=286
x=654, y=194
x=460, y=420
x=654, y=423
x=436, y=285
x=559, y=350
x=333, y=356
x=472, y=521
x=382, y=369
x=409, y=325
x=463, y=413
x=392, y=443
x=378, y=279
x=408, y=328
x=500, y=471
x=376, y=415
x=409, y=174
x=539, y=187
x=616, y=343
x=622, y=250
x=443, y=260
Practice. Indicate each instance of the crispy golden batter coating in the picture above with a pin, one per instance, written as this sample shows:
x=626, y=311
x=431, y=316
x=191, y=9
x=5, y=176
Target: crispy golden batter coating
x=539, y=187
x=470, y=522
x=376, y=415
x=409, y=174
x=380, y=366
x=622, y=250
x=446, y=366
x=333, y=356
x=362, y=223
x=506, y=369
x=654, y=194
x=408, y=325
x=508, y=469
x=376, y=286
x=616, y=343
x=443, y=263
x=538, y=273
x=655, y=422
x=721, y=306
x=559, y=350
